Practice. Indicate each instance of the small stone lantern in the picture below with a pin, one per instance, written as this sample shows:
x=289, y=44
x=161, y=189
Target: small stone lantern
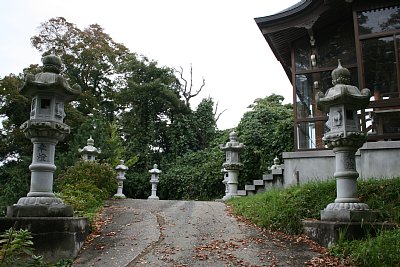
x=89, y=152
x=342, y=102
x=154, y=179
x=49, y=91
x=121, y=170
x=232, y=164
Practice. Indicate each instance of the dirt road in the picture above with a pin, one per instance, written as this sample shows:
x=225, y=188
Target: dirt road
x=184, y=233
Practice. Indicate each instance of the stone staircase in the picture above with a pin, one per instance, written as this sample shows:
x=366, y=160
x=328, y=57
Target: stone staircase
x=270, y=180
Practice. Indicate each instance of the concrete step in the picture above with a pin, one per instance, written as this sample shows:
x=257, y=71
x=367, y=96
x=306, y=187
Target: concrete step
x=277, y=172
x=258, y=182
x=250, y=187
x=242, y=193
x=268, y=177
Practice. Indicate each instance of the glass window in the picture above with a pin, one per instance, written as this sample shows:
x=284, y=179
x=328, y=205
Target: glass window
x=379, y=20
x=336, y=43
x=304, y=95
x=305, y=91
x=306, y=135
x=302, y=54
x=309, y=135
x=380, y=71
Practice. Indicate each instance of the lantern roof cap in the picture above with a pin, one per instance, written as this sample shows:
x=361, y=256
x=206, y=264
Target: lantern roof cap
x=233, y=143
x=90, y=149
x=49, y=81
x=155, y=170
x=121, y=166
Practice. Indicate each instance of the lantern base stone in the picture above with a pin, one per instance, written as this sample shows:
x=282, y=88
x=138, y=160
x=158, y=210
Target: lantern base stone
x=327, y=233
x=54, y=238
x=349, y=215
x=55, y=210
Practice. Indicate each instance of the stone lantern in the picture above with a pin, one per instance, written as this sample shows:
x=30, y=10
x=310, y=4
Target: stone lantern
x=341, y=102
x=232, y=164
x=154, y=179
x=89, y=152
x=49, y=91
x=121, y=170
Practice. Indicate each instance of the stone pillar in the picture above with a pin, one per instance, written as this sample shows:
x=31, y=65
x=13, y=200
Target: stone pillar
x=121, y=170
x=342, y=102
x=154, y=179
x=89, y=152
x=45, y=128
x=232, y=164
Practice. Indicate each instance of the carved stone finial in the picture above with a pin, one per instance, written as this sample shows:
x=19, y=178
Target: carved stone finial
x=341, y=75
x=52, y=63
x=233, y=136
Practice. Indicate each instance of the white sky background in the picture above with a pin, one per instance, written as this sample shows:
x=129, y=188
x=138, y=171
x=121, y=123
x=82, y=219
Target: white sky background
x=218, y=37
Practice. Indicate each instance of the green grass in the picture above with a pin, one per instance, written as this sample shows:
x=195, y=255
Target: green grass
x=284, y=209
x=383, y=250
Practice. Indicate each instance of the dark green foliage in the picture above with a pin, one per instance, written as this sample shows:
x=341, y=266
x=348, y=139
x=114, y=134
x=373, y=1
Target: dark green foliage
x=86, y=185
x=137, y=184
x=14, y=110
x=266, y=131
x=14, y=182
x=192, y=131
x=382, y=250
x=195, y=175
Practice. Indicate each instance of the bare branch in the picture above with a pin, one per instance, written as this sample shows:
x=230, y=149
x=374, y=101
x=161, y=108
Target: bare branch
x=187, y=88
x=216, y=117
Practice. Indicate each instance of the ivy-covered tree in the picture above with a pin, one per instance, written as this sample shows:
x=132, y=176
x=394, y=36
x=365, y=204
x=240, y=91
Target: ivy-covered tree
x=267, y=131
x=149, y=104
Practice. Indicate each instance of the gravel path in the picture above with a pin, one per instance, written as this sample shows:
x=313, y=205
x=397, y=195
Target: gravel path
x=184, y=233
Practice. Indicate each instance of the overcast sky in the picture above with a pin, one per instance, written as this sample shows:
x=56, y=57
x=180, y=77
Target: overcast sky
x=218, y=37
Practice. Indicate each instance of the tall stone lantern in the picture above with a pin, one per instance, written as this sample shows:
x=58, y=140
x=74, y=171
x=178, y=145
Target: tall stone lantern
x=121, y=170
x=49, y=91
x=341, y=102
x=232, y=164
x=154, y=179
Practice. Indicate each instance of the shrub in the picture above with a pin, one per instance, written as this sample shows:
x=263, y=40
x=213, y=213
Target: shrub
x=101, y=176
x=86, y=185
